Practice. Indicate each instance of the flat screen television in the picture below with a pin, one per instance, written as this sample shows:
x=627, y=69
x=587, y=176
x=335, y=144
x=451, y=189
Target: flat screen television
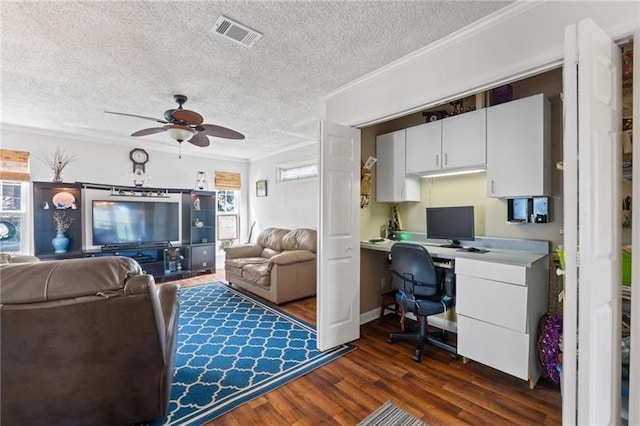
x=451, y=223
x=130, y=223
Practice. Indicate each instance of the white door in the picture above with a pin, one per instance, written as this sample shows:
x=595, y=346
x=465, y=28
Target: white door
x=592, y=172
x=338, y=301
x=634, y=364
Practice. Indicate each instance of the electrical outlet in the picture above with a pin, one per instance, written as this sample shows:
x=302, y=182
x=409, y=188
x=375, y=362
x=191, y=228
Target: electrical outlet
x=383, y=282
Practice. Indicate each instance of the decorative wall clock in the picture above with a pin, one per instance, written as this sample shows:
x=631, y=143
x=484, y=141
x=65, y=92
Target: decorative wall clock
x=139, y=157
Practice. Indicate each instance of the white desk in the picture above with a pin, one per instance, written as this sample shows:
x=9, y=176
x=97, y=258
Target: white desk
x=500, y=297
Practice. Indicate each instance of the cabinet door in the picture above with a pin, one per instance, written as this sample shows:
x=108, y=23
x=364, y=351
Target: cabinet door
x=424, y=148
x=464, y=140
x=57, y=203
x=392, y=184
x=518, y=148
x=203, y=258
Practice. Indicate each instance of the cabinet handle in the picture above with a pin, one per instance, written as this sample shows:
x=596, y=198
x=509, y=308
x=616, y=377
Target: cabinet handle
x=204, y=252
x=446, y=160
x=437, y=160
x=492, y=186
x=204, y=263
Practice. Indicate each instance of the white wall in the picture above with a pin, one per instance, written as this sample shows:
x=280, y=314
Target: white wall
x=287, y=204
x=108, y=163
x=528, y=36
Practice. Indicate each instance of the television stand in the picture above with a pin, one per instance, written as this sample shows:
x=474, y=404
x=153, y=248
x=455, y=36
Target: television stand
x=163, y=262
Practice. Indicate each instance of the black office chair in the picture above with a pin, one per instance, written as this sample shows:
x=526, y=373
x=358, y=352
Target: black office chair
x=421, y=289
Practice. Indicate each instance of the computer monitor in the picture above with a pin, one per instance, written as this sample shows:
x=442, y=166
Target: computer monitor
x=451, y=223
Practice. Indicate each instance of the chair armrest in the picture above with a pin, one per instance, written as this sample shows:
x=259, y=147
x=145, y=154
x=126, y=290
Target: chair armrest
x=245, y=250
x=24, y=258
x=292, y=256
x=168, y=296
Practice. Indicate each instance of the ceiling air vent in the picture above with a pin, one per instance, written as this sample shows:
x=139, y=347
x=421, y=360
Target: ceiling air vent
x=236, y=32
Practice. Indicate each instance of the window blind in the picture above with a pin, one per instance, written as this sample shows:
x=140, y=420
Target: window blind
x=14, y=165
x=227, y=180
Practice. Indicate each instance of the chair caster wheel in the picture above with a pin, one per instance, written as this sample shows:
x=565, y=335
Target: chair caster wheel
x=390, y=340
x=416, y=358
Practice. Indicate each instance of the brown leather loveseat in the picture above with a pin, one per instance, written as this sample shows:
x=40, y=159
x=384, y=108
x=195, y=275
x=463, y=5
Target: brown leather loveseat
x=280, y=266
x=85, y=342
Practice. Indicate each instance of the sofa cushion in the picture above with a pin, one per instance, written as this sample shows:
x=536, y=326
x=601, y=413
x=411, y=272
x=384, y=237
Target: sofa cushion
x=272, y=238
x=235, y=265
x=300, y=239
x=268, y=253
x=62, y=279
x=257, y=273
x=293, y=256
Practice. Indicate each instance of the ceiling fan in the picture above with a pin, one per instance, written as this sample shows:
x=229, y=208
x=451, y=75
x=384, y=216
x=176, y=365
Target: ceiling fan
x=184, y=125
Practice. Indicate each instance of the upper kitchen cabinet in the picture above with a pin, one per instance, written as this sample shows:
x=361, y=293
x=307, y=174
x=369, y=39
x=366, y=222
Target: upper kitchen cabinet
x=451, y=144
x=392, y=183
x=519, y=148
x=464, y=140
x=424, y=148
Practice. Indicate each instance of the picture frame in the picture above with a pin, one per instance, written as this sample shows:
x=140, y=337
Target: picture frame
x=261, y=188
x=227, y=227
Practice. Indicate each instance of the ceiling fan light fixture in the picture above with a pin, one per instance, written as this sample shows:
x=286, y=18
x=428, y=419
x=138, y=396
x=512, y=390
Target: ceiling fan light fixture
x=180, y=133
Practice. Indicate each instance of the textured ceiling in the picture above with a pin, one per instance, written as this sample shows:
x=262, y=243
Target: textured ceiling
x=64, y=63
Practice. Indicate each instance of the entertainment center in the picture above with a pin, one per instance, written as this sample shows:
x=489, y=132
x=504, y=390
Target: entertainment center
x=170, y=232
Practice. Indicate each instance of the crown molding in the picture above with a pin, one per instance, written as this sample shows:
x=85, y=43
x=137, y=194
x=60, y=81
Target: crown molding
x=283, y=150
x=170, y=148
x=446, y=42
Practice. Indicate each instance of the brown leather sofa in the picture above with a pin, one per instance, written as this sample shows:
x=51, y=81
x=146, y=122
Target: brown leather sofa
x=279, y=267
x=85, y=342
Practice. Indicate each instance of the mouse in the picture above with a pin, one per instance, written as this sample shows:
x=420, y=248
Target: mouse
x=473, y=249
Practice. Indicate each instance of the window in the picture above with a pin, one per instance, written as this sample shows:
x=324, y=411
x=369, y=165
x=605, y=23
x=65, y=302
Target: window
x=13, y=216
x=298, y=171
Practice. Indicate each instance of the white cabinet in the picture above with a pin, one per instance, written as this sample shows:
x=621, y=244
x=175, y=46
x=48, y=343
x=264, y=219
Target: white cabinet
x=453, y=143
x=392, y=182
x=519, y=148
x=424, y=147
x=498, y=309
x=464, y=140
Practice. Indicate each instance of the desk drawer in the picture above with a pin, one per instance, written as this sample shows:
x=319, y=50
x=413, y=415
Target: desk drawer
x=493, y=302
x=492, y=271
x=497, y=347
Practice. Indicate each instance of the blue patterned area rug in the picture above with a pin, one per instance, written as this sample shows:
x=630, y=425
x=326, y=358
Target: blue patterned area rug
x=233, y=348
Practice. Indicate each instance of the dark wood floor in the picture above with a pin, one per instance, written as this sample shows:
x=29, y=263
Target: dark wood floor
x=438, y=390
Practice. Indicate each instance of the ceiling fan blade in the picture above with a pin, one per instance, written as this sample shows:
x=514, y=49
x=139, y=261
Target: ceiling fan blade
x=138, y=116
x=187, y=116
x=199, y=139
x=150, y=131
x=219, y=131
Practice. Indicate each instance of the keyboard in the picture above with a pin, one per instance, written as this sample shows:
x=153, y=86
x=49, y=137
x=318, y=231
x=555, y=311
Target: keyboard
x=443, y=263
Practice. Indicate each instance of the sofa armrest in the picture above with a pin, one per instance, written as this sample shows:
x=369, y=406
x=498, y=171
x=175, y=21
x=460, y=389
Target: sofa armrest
x=244, y=250
x=292, y=256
